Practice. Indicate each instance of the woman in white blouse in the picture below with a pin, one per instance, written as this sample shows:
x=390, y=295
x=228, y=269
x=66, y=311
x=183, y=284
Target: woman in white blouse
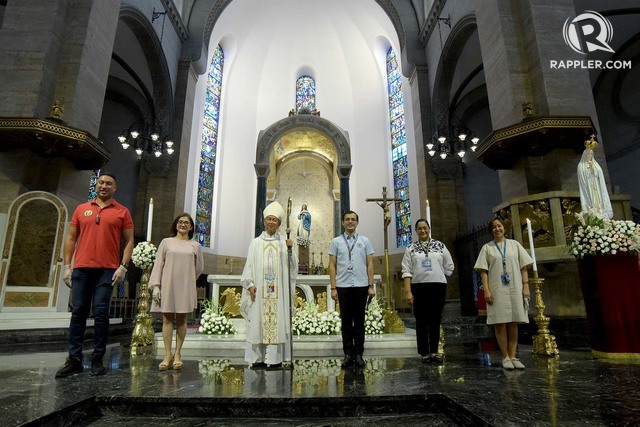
x=425, y=264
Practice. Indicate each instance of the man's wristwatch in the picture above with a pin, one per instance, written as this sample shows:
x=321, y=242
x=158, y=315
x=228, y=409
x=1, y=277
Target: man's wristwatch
x=125, y=265
x=371, y=286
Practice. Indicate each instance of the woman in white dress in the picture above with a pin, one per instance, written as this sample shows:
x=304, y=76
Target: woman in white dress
x=178, y=265
x=502, y=264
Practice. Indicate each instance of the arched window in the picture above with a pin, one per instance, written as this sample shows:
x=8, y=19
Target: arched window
x=398, y=151
x=208, y=149
x=305, y=93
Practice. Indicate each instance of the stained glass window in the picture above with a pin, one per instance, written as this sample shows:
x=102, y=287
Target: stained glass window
x=305, y=93
x=398, y=151
x=92, y=184
x=208, y=149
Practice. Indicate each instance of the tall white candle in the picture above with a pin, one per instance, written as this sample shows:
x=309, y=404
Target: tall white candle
x=150, y=220
x=533, y=252
x=428, y=213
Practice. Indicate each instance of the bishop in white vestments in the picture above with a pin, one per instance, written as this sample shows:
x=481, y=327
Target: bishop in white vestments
x=266, y=298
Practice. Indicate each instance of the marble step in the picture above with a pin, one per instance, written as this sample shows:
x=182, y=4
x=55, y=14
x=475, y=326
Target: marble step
x=40, y=320
x=232, y=346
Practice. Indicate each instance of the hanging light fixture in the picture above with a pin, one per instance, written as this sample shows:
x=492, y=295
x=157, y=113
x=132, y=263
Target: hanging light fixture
x=458, y=141
x=146, y=138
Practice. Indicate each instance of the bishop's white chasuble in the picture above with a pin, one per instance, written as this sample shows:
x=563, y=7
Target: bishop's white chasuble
x=268, y=316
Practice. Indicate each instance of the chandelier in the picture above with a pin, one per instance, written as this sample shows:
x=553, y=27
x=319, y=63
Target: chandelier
x=147, y=138
x=458, y=141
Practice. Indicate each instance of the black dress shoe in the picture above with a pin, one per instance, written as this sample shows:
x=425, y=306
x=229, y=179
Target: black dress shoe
x=71, y=367
x=347, y=362
x=359, y=361
x=425, y=359
x=437, y=359
x=97, y=368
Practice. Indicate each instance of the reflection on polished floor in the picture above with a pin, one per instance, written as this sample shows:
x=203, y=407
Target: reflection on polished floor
x=468, y=389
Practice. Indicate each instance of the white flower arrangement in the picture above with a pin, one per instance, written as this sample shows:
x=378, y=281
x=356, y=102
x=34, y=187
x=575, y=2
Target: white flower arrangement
x=303, y=241
x=144, y=254
x=307, y=321
x=594, y=235
x=210, y=369
x=373, y=320
x=214, y=322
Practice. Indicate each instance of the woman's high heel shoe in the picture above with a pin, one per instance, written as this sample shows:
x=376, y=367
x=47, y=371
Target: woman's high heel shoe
x=165, y=365
x=177, y=363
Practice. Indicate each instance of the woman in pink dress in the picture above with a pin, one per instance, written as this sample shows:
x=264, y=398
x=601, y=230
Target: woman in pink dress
x=173, y=281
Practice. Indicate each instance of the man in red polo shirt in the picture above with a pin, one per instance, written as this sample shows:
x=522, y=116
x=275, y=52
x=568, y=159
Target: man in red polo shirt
x=96, y=231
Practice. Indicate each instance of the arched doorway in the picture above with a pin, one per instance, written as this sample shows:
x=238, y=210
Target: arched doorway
x=307, y=156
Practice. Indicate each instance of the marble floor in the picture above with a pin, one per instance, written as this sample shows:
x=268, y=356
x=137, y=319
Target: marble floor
x=470, y=388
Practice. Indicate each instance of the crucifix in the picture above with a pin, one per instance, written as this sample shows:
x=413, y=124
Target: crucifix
x=391, y=319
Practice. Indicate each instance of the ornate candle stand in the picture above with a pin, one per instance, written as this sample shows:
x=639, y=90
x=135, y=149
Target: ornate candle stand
x=321, y=269
x=142, y=340
x=544, y=343
x=312, y=269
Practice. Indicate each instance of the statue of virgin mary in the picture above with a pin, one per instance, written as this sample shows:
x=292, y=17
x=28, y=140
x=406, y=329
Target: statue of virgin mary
x=593, y=190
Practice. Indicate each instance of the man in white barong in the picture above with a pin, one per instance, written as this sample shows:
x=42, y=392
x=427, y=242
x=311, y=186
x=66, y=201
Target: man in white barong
x=266, y=298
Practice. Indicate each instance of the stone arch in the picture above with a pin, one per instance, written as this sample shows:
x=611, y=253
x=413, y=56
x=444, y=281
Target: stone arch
x=31, y=252
x=154, y=55
x=161, y=102
x=271, y=135
x=451, y=51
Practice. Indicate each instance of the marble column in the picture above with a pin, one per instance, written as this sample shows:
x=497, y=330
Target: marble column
x=51, y=51
x=168, y=185
x=517, y=44
x=345, y=203
x=421, y=110
x=261, y=197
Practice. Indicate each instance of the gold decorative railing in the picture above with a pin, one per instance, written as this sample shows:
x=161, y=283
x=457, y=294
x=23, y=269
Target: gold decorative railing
x=552, y=216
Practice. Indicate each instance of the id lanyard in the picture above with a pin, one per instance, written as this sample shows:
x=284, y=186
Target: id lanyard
x=350, y=248
x=426, y=251
x=503, y=255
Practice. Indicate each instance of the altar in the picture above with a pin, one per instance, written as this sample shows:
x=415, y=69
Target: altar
x=308, y=288
x=225, y=290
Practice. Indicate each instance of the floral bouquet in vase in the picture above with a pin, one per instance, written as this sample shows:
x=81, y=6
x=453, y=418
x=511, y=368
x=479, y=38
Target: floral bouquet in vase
x=143, y=255
x=373, y=320
x=594, y=235
x=307, y=321
x=214, y=322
